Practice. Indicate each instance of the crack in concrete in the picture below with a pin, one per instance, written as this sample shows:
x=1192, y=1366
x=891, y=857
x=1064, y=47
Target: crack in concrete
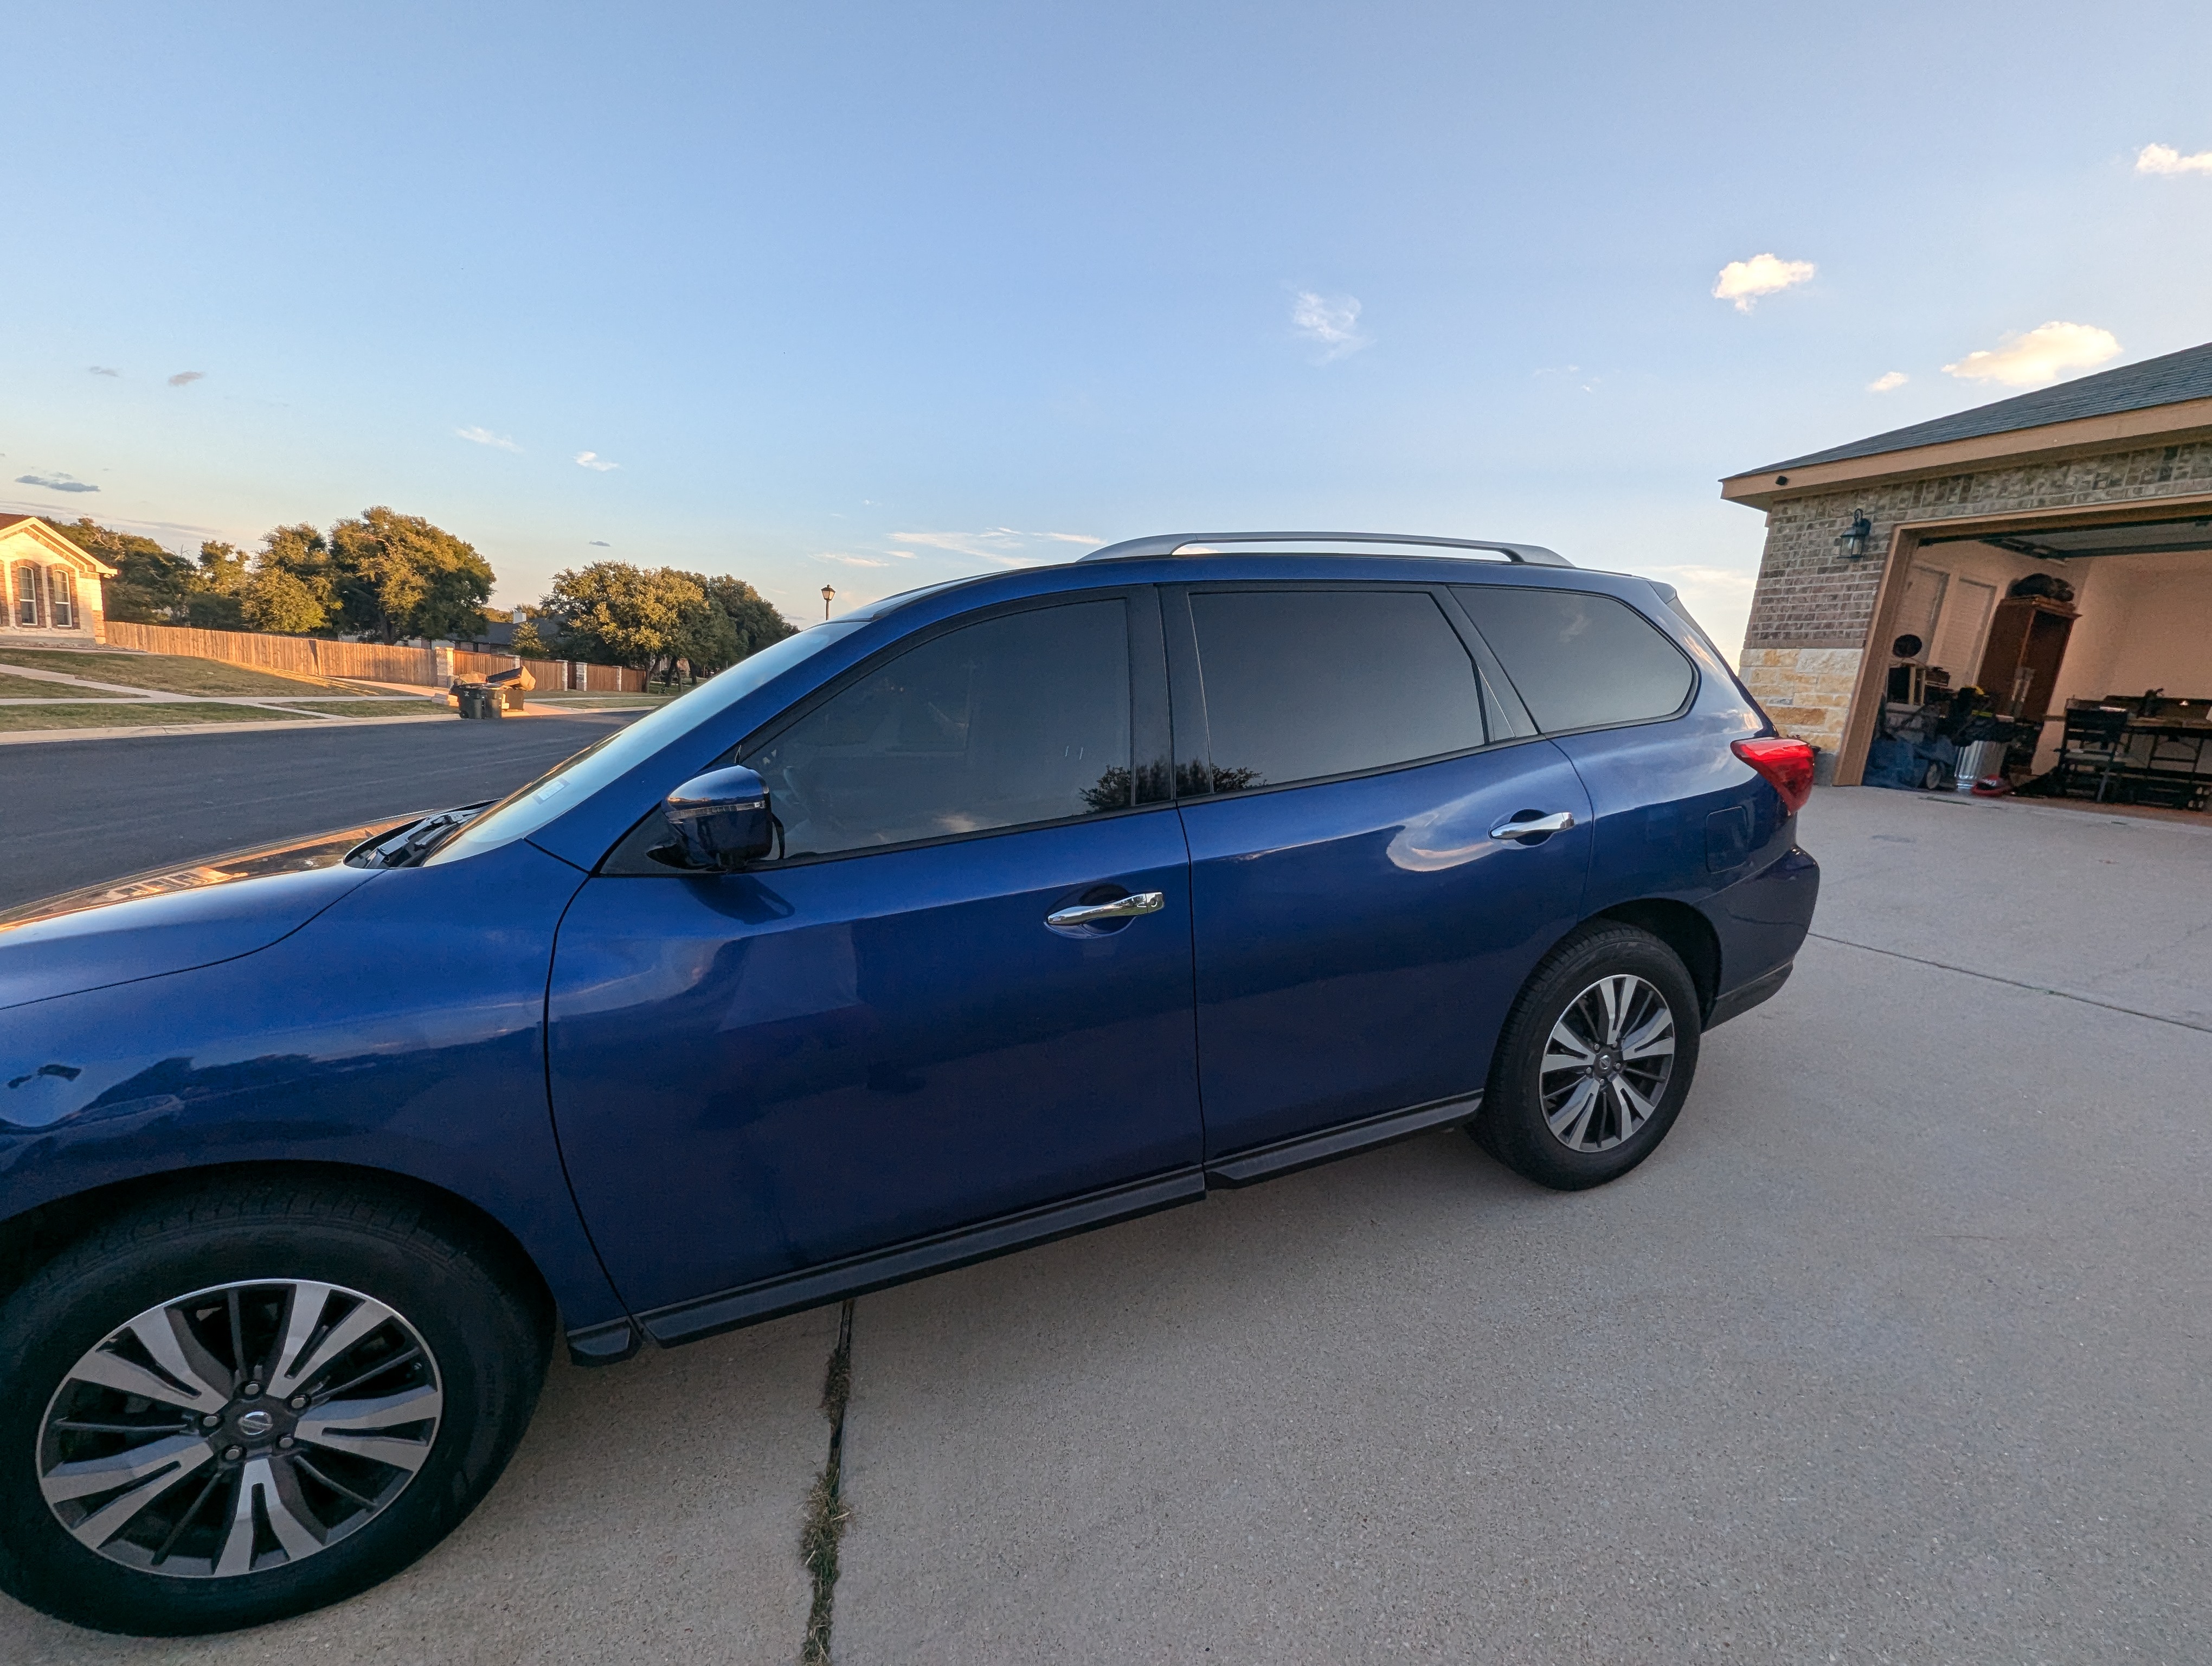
x=827, y=1512
x=2016, y=983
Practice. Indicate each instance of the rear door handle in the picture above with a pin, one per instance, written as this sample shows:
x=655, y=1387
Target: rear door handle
x=1122, y=907
x=1558, y=822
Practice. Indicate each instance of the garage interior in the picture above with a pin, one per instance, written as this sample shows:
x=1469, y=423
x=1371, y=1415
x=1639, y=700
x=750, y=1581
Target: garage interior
x=2071, y=662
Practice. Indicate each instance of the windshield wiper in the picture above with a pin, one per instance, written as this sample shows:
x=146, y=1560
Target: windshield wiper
x=410, y=846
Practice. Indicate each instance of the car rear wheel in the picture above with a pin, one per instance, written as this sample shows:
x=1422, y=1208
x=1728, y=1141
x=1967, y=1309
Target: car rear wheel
x=1594, y=1062
x=246, y=1403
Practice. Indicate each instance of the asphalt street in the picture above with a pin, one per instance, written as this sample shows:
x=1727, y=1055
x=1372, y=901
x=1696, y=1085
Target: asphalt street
x=73, y=812
x=1896, y=1351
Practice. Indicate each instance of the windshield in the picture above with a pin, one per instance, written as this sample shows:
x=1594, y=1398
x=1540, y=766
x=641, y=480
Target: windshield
x=566, y=785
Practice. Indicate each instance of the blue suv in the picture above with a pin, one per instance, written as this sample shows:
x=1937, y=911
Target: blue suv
x=993, y=912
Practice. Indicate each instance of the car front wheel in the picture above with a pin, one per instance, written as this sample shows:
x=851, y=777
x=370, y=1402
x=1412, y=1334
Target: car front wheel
x=241, y=1404
x=1594, y=1062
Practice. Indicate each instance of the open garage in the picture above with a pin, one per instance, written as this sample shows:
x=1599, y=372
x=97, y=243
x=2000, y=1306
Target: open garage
x=2021, y=594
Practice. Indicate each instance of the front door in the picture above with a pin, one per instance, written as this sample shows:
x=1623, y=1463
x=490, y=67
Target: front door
x=1364, y=915
x=881, y=1040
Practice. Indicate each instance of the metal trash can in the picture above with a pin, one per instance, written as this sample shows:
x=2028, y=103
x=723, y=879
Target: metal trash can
x=1982, y=758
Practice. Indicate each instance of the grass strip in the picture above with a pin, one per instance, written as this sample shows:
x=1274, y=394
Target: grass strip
x=30, y=687
x=369, y=709
x=130, y=714
x=827, y=1513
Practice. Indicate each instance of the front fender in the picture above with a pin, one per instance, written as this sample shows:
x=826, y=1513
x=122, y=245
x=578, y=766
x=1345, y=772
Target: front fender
x=400, y=1030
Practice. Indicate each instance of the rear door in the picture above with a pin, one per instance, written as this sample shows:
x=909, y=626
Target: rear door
x=1351, y=766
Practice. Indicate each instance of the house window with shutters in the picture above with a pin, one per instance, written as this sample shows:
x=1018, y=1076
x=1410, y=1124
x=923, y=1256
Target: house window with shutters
x=61, y=589
x=27, y=595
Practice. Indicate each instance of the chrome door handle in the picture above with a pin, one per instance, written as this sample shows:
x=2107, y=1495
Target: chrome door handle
x=1558, y=822
x=1124, y=908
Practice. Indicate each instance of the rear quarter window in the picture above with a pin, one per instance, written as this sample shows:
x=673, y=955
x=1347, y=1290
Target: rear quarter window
x=1580, y=661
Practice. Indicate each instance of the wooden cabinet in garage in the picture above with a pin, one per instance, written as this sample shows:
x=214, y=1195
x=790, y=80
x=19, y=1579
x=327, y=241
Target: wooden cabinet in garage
x=2026, y=633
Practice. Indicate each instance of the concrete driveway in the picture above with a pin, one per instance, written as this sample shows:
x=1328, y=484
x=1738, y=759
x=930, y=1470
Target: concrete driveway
x=1896, y=1351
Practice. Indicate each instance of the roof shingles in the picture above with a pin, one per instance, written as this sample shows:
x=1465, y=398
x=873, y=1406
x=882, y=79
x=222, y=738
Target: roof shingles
x=2168, y=380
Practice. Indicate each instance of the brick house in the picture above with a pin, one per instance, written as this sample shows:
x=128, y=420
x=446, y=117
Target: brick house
x=52, y=588
x=1923, y=532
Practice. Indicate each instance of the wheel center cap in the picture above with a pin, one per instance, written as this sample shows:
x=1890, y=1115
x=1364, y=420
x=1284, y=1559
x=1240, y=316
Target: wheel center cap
x=255, y=1424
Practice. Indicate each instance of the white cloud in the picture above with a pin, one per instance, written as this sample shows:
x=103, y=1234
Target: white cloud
x=2041, y=355
x=103, y=370
x=484, y=436
x=1886, y=381
x=186, y=378
x=56, y=481
x=1003, y=544
x=852, y=561
x=1744, y=281
x=2165, y=159
x=592, y=461
x=1330, y=321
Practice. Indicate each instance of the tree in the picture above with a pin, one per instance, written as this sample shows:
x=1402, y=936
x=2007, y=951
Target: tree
x=614, y=613
x=224, y=568
x=213, y=602
x=150, y=585
x=752, y=624
x=279, y=601
x=397, y=576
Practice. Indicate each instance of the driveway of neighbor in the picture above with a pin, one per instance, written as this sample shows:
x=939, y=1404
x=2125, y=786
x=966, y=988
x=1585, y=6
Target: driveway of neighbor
x=1896, y=1351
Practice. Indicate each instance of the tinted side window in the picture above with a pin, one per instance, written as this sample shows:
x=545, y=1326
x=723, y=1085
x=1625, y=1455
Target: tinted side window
x=1306, y=683
x=1579, y=660
x=1019, y=719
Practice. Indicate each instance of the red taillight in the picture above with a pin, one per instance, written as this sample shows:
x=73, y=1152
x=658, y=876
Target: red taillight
x=1787, y=763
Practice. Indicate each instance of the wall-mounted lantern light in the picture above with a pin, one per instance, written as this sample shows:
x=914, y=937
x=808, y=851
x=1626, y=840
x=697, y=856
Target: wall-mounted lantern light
x=1851, y=542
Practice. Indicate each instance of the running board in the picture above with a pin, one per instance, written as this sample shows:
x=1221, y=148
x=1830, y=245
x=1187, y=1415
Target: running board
x=1246, y=1167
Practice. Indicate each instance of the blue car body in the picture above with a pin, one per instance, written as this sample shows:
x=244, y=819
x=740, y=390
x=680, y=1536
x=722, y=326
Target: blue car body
x=698, y=1100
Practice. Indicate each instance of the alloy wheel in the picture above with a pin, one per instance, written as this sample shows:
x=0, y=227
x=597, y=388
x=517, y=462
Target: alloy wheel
x=240, y=1428
x=1607, y=1064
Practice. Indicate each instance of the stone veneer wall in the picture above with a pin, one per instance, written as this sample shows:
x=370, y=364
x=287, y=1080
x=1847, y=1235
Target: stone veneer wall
x=1805, y=690
x=1811, y=612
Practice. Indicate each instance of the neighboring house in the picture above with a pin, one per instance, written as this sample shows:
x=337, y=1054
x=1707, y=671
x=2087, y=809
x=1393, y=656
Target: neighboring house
x=51, y=587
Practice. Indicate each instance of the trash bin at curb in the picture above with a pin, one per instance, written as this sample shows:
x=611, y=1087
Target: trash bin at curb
x=479, y=700
x=511, y=685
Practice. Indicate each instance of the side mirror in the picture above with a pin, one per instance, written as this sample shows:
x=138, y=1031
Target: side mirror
x=721, y=820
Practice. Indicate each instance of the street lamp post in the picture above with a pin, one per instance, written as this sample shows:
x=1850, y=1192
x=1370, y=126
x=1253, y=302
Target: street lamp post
x=829, y=591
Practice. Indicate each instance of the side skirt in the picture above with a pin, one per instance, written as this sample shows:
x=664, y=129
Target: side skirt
x=1264, y=1163
x=856, y=1275
x=691, y=1321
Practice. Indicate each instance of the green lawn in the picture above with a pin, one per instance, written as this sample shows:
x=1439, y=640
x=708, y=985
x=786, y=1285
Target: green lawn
x=128, y=713
x=171, y=673
x=29, y=688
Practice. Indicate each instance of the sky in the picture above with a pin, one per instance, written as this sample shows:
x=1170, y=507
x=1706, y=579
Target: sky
x=873, y=295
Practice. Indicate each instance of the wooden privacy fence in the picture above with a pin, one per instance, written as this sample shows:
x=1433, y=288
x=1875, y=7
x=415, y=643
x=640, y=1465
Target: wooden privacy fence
x=369, y=662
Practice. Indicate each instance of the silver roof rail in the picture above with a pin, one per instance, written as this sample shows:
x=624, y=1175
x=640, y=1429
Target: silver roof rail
x=1167, y=544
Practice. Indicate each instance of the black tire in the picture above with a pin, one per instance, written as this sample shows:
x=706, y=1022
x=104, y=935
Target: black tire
x=483, y=1325
x=1514, y=1124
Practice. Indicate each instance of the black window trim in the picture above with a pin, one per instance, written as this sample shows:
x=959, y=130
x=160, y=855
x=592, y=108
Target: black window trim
x=1148, y=718
x=1689, y=700
x=1193, y=737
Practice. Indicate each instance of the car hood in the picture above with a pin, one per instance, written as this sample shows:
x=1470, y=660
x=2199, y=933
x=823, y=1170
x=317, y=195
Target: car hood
x=170, y=920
